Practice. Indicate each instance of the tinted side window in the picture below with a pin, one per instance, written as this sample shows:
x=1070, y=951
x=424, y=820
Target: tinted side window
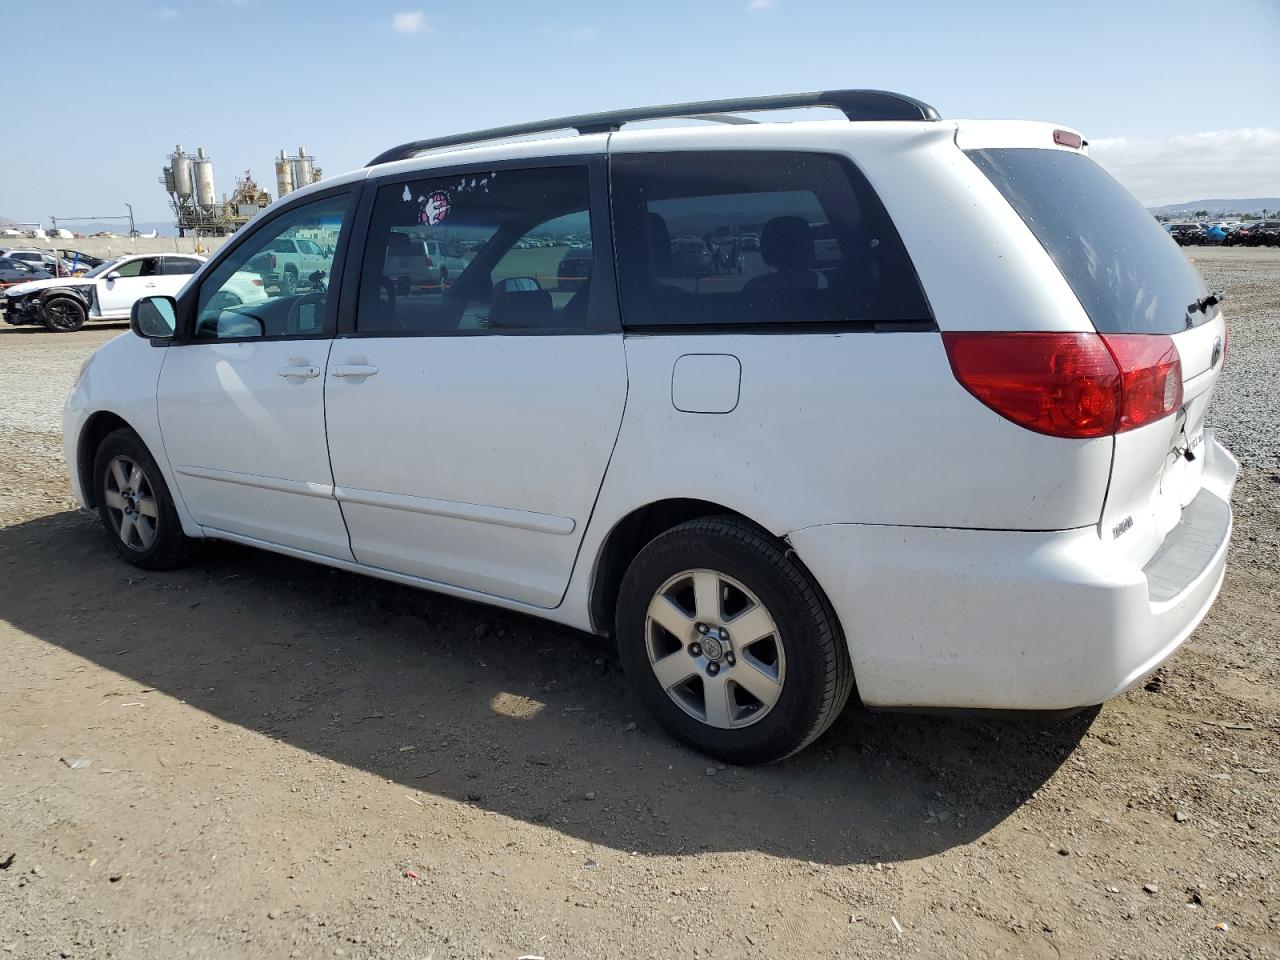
x=477, y=253
x=756, y=238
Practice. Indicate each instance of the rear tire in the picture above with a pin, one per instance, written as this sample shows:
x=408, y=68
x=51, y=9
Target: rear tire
x=64, y=314
x=729, y=642
x=135, y=505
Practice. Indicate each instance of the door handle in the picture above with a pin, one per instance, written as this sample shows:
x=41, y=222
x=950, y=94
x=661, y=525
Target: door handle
x=354, y=370
x=301, y=372
x=151, y=286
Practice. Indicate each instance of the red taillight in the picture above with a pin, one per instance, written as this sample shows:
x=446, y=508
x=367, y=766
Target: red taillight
x=1067, y=138
x=271, y=261
x=1151, y=376
x=430, y=262
x=1076, y=385
x=256, y=283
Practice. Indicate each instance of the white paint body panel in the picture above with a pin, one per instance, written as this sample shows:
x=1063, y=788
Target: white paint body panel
x=1003, y=619
x=121, y=379
x=832, y=429
x=247, y=445
x=475, y=460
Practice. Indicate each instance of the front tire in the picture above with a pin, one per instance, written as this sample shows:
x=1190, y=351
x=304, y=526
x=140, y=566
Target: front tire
x=135, y=505
x=64, y=314
x=729, y=642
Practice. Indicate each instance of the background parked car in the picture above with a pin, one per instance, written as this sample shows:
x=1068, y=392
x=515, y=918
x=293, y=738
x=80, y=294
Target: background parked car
x=574, y=269
x=80, y=261
x=18, y=271
x=107, y=292
x=412, y=261
x=690, y=257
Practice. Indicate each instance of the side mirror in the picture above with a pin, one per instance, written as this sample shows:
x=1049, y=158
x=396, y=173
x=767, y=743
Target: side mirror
x=113, y=275
x=516, y=285
x=154, y=318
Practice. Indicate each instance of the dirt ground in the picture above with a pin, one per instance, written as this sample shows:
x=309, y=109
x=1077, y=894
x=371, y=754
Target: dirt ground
x=286, y=761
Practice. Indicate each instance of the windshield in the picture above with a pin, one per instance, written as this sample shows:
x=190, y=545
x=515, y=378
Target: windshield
x=1127, y=272
x=104, y=268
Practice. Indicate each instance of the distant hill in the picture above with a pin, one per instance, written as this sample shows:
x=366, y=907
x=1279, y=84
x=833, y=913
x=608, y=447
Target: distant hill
x=164, y=228
x=1217, y=208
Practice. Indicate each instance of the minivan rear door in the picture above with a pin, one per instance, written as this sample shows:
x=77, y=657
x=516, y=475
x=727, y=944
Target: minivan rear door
x=470, y=425
x=1132, y=279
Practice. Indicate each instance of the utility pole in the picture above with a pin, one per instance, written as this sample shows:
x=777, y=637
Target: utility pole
x=133, y=230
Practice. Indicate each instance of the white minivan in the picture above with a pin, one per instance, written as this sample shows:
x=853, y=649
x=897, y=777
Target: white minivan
x=956, y=461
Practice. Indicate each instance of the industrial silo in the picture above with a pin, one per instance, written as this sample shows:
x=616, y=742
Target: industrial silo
x=180, y=165
x=303, y=169
x=206, y=196
x=284, y=175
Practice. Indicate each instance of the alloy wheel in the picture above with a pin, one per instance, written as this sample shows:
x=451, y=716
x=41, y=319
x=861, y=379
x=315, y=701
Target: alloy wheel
x=63, y=314
x=715, y=648
x=131, y=503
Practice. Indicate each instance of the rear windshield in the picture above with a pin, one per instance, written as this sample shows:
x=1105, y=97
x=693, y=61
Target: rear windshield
x=1126, y=270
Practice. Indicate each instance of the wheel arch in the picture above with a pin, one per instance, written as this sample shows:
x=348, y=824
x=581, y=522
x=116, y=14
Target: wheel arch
x=94, y=431
x=74, y=293
x=628, y=537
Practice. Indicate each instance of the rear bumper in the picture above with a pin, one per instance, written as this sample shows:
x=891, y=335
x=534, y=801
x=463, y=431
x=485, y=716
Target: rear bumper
x=1009, y=620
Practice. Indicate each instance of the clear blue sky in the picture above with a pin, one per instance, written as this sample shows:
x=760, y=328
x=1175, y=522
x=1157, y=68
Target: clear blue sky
x=246, y=77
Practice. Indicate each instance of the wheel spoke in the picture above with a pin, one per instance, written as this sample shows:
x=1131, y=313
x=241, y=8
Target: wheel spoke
x=126, y=528
x=113, y=500
x=136, y=478
x=755, y=624
x=673, y=669
x=716, y=701
x=118, y=472
x=760, y=684
x=147, y=507
x=146, y=531
x=664, y=612
x=706, y=596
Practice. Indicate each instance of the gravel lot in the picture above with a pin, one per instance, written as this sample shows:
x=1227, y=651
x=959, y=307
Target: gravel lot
x=290, y=761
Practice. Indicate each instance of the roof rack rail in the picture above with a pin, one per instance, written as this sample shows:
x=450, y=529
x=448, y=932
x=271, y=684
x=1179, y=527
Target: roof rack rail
x=855, y=104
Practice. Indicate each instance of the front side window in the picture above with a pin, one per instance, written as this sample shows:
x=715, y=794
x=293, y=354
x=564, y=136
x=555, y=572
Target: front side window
x=139, y=267
x=267, y=287
x=759, y=237
x=481, y=253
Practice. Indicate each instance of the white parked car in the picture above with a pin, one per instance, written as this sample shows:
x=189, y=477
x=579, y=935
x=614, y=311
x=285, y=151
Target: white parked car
x=959, y=461
x=106, y=292
x=109, y=291
x=413, y=262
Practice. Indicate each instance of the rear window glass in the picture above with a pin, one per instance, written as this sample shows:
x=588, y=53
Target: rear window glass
x=180, y=265
x=1127, y=272
x=730, y=238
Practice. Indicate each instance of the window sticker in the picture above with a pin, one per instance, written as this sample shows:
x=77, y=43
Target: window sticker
x=434, y=208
